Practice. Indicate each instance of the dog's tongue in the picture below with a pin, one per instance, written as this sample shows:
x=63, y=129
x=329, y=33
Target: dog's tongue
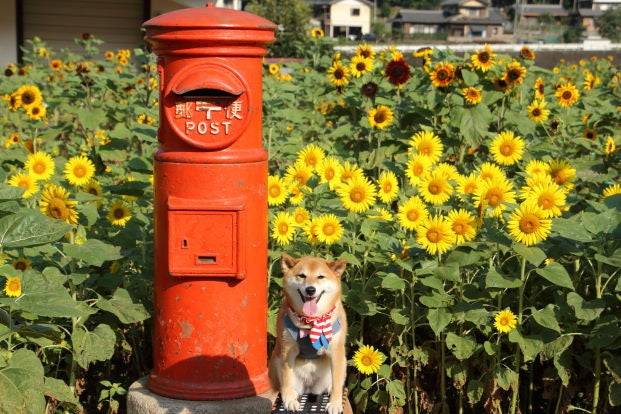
x=310, y=307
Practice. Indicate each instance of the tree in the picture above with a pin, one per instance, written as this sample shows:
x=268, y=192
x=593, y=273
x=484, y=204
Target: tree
x=609, y=24
x=292, y=18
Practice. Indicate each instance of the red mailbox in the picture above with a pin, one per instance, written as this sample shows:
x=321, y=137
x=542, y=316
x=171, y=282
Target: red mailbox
x=210, y=205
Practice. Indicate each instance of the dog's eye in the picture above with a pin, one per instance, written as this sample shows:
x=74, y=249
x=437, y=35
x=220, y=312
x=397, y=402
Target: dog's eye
x=321, y=277
x=302, y=275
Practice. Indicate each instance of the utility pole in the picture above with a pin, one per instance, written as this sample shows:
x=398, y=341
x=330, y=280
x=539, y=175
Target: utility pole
x=516, y=19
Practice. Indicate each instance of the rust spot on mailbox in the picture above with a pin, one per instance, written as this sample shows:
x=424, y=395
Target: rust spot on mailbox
x=210, y=231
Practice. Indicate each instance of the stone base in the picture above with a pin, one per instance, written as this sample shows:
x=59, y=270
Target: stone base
x=140, y=400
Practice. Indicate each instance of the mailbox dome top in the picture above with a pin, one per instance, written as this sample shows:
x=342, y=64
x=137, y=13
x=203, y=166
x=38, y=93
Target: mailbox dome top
x=210, y=17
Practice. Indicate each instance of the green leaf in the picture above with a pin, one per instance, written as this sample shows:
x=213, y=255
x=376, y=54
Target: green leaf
x=397, y=315
x=571, y=229
x=493, y=279
x=614, y=394
x=48, y=298
x=91, y=118
x=93, y=252
x=89, y=210
x=533, y=255
x=600, y=223
x=122, y=306
x=91, y=346
x=470, y=78
x=506, y=378
x=8, y=192
x=438, y=319
x=30, y=228
x=556, y=273
x=396, y=390
x=585, y=310
x=58, y=390
x=450, y=273
x=461, y=346
x=393, y=282
x=21, y=384
x=474, y=391
x=530, y=346
x=547, y=318
x=614, y=260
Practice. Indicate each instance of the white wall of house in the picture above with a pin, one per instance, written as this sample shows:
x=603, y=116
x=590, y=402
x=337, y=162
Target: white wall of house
x=423, y=28
x=163, y=6
x=606, y=4
x=343, y=13
x=8, y=32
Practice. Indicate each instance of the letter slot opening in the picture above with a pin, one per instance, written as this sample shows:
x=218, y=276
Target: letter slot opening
x=206, y=259
x=207, y=94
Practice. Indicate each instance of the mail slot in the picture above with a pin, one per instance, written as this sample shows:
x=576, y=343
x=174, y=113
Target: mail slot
x=210, y=207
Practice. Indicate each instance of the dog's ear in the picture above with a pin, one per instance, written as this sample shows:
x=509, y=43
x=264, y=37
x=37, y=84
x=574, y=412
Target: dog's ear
x=287, y=263
x=338, y=266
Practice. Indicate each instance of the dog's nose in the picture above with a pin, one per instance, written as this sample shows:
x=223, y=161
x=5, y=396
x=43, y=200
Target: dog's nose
x=310, y=291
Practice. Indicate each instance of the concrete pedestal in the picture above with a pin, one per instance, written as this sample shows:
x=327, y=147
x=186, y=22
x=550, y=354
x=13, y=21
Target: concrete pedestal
x=140, y=400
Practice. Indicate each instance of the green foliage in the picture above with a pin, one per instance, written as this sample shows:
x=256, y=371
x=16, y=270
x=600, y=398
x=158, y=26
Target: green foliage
x=609, y=24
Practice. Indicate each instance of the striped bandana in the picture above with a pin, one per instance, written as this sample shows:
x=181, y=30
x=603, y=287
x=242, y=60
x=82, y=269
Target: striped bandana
x=320, y=331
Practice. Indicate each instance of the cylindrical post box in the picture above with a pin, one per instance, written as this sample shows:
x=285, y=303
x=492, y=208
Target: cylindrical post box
x=210, y=320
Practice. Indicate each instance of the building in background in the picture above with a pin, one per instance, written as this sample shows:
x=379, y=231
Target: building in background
x=343, y=18
x=459, y=20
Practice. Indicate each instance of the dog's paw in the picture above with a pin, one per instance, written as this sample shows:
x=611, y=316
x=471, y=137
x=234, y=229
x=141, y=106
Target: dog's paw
x=290, y=401
x=334, y=407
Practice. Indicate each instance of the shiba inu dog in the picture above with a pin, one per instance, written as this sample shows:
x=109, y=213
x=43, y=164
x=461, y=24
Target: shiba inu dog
x=309, y=355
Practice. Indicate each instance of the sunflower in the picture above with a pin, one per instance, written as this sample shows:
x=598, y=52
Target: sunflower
x=21, y=263
x=298, y=173
x=277, y=190
x=388, y=186
x=329, y=171
x=505, y=321
x=297, y=194
x=442, y=75
x=535, y=167
x=609, y=146
x=29, y=95
x=79, y=170
x=527, y=54
x=358, y=195
x=506, y=148
x=11, y=140
x=13, y=286
x=501, y=85
x=94, y=188
x=380, y=117
x=490, y=171
x=311, y=231
x=467, y=185
x=412, y=213
x=528, y=224
x=539, y=89
x=56, y=65
x=311, y=155
x=316, y=33
x=36, y=112
x=369, y=89
x=350, y=172
x=119, y=213
x=435, y=235
x=494, y=194
x=329, y=229
x=435, y=188
x=283, y=228
x=55, y=203
x=338, y=75
x=538, y=112
x=25, y=181
x=483, y=59
x=514, y=73
x=591, y=81
x=612, y=190
x=365, y=50
x=273, y=69
x=381, y=214
x=40, y=165
x=472, y=95
x=427, y=144
x=14, y=102
x=567, y=95
x=360, y=65
x=562, y=173
x=109, y=55
x=417, y=167
x=549, y=197
x=447, y=170
x=463, y=225
x=590, y=133
x=301, y=217
x=397, y=71
x=368, y=360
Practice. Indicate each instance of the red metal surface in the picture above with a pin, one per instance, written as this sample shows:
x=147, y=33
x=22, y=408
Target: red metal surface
x=210, y=206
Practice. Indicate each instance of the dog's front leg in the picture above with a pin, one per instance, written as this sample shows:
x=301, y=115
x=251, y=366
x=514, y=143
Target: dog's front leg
x=287, y=392
x=338, y=365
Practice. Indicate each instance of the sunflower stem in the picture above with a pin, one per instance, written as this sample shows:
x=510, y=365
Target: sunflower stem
x=516, y=389
x=413, y=333
x=598, y=354
x=442, y=375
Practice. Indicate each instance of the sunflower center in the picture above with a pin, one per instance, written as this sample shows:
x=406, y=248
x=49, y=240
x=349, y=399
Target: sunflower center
x=387, y=187
x=361, y=66
x=413, y=215
x=433, y=235
x=442, y=74
x=567, y=95
x=470, y=187
x=458, y=228
x=328, y=229
x=20, y=265
x=417, y=169
x=119, y=213
x=57, y=208
x=366, y=360
x=506, y=149
x=339, y=74
x=36, y=110
x=93, y=191
x=283, y=228
x=493, y=198
x=28, y=98
x=79, y=171
x=379, y=117
x=24, y=184
x=483, y=57
x=545, y=201
x=357, y=195
x=514, y=74
x=329, y=173
x=434, y=188
x=13, y=285
x=425, y=149
x=39, y=167
x=504, y=321
x=536, y=112
x=529, y=223
x=299, y=218
x=397, y=71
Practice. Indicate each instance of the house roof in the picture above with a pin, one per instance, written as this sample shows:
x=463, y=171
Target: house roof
x=590, y=12
x=330, y=2
x=459, y=2
x=541, y=9
x=495, y=17
x=419, y=16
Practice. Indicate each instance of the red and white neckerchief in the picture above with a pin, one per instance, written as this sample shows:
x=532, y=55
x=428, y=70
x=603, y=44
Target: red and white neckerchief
x=319, y=325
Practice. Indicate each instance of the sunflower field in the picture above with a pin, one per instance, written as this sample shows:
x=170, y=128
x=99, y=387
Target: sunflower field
x=476, y=198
